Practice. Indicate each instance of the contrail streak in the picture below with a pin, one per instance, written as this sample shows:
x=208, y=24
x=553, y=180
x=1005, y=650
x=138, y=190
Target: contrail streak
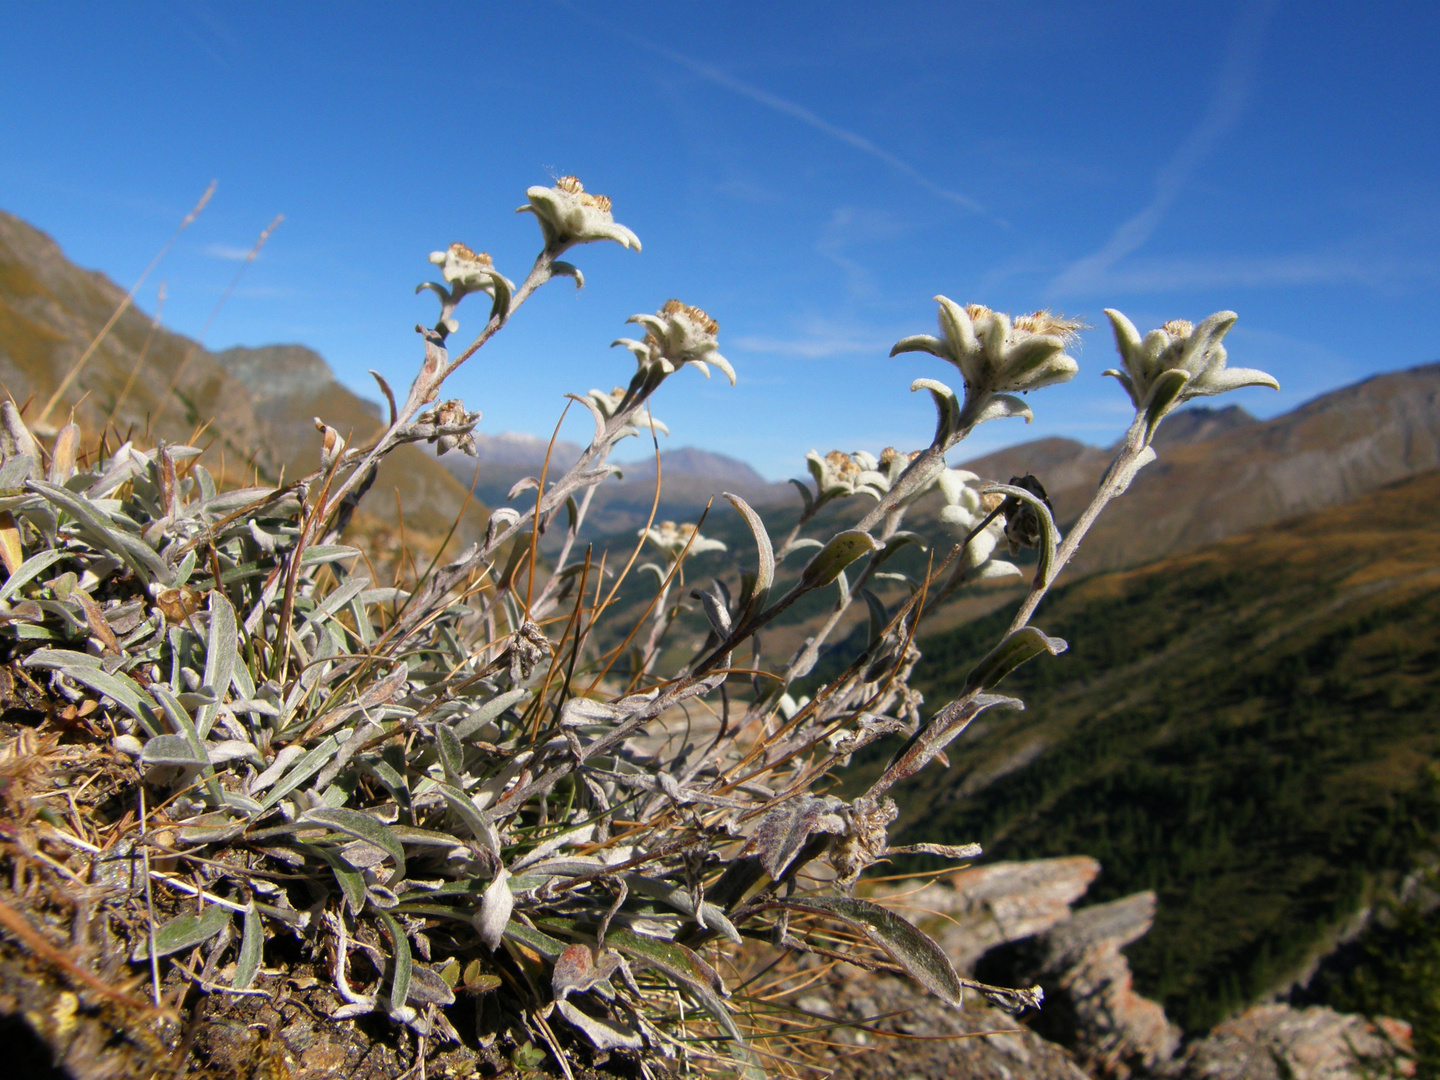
x=1231, y=90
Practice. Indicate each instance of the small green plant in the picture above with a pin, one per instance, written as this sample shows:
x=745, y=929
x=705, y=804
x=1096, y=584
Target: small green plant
x=456, y=776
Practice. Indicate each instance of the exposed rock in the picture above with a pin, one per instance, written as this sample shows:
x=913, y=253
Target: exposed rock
x=1090, y=1003
x=1279, y=1042
x=931, y=1041
x=975, y=910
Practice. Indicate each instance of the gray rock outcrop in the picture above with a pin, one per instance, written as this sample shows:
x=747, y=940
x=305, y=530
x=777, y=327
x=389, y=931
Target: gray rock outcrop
x=1280, y=1042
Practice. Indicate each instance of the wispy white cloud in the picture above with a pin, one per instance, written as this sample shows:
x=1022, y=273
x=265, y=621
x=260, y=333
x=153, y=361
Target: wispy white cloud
x=712, y=74
x=228, y=252
x=821, y=340
x=1317, y=268
x=1231, y=89
x=849, y=225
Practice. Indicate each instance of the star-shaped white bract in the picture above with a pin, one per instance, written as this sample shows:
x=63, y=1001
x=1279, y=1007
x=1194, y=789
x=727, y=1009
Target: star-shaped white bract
x=1193, y=353
x=997, y=354
x=678, y=334
x=568, y=215
x=673, y=539
x=466, y=271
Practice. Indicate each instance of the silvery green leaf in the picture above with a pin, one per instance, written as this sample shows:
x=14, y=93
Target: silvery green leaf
x=172, y=750
x=997, y=568
x=303, y=770
x=1165, y=394
x=15, y=471
x=326, y=553
x=921, y=343
x=945, y=851
x=500, y=309
x=681, y=965
x=783, y=831
x=488, y=712
x=603, y=1034
x=531, y=938
x=400, y=981
x=350, y=880
x=361, y=825
x=252, y=943
x=683, y=902
x=835, y=556
x=495, y=907
x=85, y=669
x=135, y=553
x=180, y=720
x=925, y=961
x=1024, y=644
x=715, y=611
x=559, y=268
x=29, y=570
x=947, y=409
x=754, y=600
x=879, y=618
x=466, y=810
x=184, y=932
x=246, y=805
x=428, y=987
x=230, y=750
x=805, y=496
x=1003, y=406
x=452, y=755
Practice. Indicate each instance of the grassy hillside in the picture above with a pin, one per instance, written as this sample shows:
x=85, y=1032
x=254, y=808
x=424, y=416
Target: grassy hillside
x=1246, y=729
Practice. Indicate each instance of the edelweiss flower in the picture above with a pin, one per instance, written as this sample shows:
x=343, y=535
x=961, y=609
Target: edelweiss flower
x=609, y=403
x=997, y=354
x=672, y=538
x=677, y=334
x=835, y=474
x=965, y=508
x=839, y=475
x=882, y=475
x=569, y=215
x=466, y=272
x=1193, y=353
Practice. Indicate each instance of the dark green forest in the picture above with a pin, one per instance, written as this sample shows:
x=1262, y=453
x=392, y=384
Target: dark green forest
x=1248, y=730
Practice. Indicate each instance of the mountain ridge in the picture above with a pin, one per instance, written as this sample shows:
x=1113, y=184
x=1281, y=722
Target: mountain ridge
x=258, y=404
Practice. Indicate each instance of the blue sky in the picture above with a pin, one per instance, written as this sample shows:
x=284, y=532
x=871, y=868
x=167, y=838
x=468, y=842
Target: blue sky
x=811, y=174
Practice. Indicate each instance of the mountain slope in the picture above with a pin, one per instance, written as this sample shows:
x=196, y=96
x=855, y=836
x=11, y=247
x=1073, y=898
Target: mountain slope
x=1221, y=472
x=255, y=403
x=1245, y=728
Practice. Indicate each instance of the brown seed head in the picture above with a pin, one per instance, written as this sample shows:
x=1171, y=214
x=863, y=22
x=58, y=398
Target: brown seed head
x=1046, y=322
x=460, y=251
x=842, y=463
x=570, y=184
x=695, y=314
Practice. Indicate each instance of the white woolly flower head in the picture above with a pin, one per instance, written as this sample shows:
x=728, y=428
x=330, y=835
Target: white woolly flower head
x=467, y=271
x=1177, y=362
x=676, y=335
x=964, y=511
x=680, y=540
x=568, y=214
x=997, y=354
